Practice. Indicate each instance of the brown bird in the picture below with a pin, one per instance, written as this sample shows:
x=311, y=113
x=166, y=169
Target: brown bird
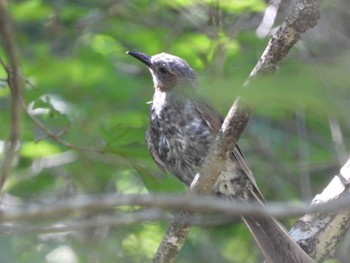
x=182, y=129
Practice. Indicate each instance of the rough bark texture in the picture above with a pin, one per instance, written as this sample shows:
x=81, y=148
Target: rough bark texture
x=174, y=237
x=319, y=233
x=303, y=16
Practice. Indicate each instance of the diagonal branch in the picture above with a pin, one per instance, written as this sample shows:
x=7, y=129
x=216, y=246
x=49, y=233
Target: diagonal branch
x=303, y=16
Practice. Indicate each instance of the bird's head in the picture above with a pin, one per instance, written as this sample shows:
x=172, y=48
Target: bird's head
x=170, y=73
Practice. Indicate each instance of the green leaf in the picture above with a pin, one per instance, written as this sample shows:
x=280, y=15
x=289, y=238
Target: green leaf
x=104, y=44
x=38, y=149
x=233, y=6
x=30, y=10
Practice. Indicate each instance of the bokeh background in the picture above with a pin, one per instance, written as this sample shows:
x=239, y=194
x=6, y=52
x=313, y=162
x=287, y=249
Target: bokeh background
x=81, y=85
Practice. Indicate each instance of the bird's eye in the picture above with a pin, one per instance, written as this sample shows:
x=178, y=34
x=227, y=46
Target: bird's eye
x=163, y=70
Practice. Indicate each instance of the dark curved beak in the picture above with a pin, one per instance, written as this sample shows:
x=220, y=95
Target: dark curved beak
x=142, y=57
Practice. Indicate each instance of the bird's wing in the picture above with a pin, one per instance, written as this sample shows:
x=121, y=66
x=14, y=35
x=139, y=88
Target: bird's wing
x=154, y=153
x=214, y=121
x=244, y=166
x=212, y=118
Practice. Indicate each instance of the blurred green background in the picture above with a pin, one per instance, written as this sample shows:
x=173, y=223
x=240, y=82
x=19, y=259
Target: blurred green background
x=81, y=84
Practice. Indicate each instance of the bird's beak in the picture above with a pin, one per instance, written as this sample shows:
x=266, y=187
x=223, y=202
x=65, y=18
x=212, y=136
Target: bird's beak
x=142, y=57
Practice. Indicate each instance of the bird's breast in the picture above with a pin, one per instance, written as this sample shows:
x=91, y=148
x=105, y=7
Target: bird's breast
x=180, y=136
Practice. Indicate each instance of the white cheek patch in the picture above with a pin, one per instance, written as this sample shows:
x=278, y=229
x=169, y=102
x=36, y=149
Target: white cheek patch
x=157, y=82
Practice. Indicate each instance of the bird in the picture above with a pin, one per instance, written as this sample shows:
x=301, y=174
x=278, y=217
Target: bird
x=182, y=127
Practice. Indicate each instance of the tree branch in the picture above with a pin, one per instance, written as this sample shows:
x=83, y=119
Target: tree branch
x=334, y=198
x=303, y=16
x=15, y=82
x=319, y=233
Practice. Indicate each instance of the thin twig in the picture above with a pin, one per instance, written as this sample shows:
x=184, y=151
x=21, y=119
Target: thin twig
x=338, y=139
x=103, y=220
x=57, y=136
x=100, y=220
x=304, y=156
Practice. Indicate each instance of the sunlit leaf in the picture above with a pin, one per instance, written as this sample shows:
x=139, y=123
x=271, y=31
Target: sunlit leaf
x=38, y=149
x=227, y=5
x=105, y=45
x=30, y=10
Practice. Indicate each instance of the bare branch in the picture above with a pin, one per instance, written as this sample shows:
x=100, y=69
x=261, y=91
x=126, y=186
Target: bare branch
x=100, y=220
x=303, y=16
x=16, y=85
x=319, y=233
x=334, y=198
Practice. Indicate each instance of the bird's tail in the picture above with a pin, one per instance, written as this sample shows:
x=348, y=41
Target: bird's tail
x=274, y=241
x=237, y=182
